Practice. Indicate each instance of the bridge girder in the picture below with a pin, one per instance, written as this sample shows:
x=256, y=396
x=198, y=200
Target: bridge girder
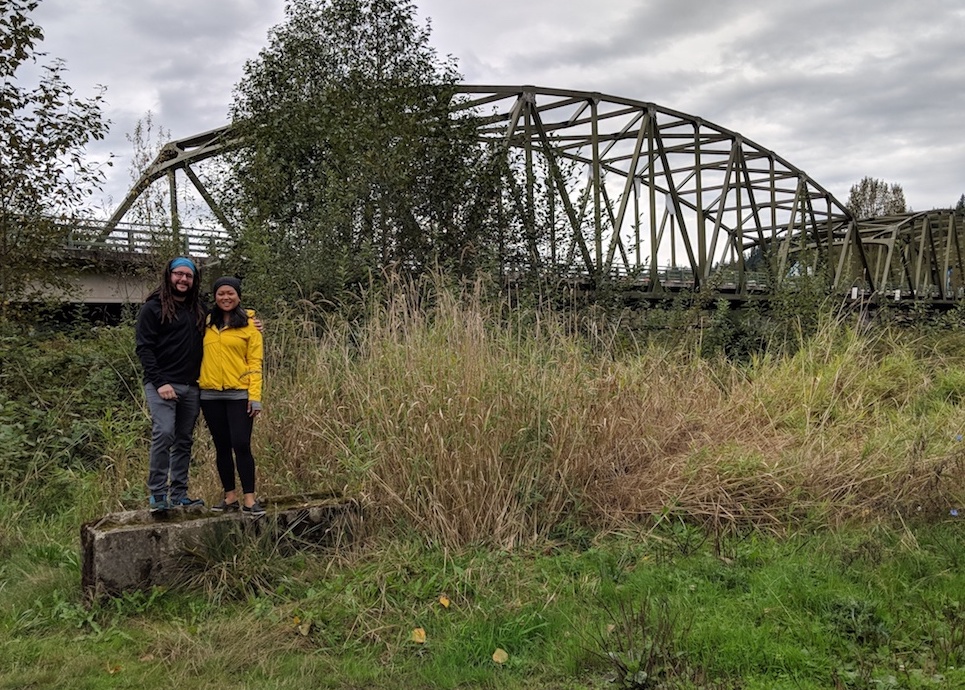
x=645, y=191
x=917, y=254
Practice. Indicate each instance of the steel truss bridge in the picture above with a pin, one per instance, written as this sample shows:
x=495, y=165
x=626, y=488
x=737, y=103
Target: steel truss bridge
x=651, y=196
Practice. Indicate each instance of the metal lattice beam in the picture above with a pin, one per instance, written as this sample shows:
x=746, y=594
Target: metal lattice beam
x=667, y=197
x=708, y=196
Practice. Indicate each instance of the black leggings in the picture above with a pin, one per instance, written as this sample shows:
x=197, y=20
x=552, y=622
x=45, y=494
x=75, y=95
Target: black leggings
x=230, y=428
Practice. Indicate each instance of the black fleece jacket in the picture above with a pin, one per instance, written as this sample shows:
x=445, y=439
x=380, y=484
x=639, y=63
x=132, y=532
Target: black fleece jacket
x=170, y=352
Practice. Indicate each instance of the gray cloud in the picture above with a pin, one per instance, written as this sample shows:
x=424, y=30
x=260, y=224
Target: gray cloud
x=840, y=89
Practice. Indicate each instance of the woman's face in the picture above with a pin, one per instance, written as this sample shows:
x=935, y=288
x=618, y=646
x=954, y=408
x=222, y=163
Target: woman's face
x=226, y=298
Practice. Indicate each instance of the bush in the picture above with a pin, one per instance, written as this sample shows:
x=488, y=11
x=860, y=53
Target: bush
x=61, y=395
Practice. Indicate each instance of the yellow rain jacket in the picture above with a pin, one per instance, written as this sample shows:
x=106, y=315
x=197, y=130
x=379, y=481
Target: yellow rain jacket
x=232, y=359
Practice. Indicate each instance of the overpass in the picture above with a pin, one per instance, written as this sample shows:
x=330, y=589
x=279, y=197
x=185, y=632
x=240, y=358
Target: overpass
x=655, y=197
x=109, y=269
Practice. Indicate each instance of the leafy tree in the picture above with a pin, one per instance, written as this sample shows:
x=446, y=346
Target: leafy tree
x=147, y=139
x=43, y=173
x=960, y=206
x=352, y=162
x=872, y=197
x=153, y=206
x=151, y=213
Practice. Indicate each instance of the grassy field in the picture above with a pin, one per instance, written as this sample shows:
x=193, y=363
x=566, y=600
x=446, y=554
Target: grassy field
x=551, y=501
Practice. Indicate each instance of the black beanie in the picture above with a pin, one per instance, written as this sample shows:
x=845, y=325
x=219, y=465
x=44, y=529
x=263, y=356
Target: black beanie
x=230, y=281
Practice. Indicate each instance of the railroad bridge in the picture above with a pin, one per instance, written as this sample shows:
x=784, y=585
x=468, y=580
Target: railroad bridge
x=646, y=195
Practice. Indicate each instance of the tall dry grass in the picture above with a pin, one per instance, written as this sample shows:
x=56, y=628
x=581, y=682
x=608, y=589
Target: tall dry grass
x=447, y=414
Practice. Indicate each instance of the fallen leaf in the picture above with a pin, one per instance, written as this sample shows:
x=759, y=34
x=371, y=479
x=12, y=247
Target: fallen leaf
x=444, y=600
x=305, y=628
x=113, y=669
x=418, y=636
x=500, y=656
x=147, y=657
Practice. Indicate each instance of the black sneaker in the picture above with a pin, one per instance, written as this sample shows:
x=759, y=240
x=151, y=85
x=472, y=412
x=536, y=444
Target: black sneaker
x=254, y=510
x=224, y=507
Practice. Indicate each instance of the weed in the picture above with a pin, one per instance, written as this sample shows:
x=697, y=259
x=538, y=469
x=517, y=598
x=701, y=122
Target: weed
x=643, y=643
x=235, y=562
x=678, y=534
x=945, y=629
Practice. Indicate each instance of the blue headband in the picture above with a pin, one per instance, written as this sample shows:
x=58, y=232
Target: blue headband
x=182, y=261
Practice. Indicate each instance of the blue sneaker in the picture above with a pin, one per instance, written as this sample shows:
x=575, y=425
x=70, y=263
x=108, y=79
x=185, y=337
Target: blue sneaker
x=159, y=504
x=185, y=502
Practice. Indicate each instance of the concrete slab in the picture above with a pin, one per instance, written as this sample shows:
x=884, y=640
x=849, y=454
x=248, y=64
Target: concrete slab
x=138, y=550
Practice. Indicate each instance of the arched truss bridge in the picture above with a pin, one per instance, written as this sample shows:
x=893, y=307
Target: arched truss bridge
x=669, y=201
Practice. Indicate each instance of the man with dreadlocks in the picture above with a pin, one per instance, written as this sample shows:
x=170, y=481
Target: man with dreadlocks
x=170, y=344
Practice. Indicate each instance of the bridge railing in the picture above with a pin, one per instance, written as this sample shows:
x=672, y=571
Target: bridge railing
x=136, y=238
x=725, y=280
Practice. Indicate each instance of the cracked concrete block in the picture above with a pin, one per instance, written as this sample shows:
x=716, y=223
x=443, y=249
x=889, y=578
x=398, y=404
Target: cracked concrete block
x=138, y=550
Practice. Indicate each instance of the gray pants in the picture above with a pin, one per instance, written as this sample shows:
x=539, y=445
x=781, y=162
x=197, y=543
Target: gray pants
x=172, y=435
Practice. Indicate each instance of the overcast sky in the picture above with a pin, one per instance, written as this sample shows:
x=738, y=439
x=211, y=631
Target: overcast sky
x=839, y=88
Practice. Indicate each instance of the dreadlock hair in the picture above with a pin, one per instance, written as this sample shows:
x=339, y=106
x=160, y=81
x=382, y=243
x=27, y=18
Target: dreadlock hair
x=169, y=304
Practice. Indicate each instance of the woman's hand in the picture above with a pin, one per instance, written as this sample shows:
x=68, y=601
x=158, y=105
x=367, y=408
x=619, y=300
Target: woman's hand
x=253, y=411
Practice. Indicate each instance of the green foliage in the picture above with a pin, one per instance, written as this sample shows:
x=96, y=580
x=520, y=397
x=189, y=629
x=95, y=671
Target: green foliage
x=43, y=174
x=791, y=315
x=806, y=611
x=62, y=401
x=857, y=621
x=738, y=334
x=642, y=643
x=353, y=162
x=239, y=562
x=872, y=197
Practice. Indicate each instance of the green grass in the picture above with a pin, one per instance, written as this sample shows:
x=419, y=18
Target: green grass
x=852, y=607
x=607, y=507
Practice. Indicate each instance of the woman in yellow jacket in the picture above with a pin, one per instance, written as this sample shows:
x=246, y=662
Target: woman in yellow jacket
x=230, y=385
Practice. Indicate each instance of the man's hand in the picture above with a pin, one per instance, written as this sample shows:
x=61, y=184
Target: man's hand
x=258, y=324
x=167, y=392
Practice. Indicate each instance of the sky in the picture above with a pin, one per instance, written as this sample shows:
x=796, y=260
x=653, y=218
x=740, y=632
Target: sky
x=841, y=89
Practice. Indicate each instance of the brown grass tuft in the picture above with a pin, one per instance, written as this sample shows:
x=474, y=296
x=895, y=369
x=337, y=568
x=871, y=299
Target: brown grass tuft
x=448, y=417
